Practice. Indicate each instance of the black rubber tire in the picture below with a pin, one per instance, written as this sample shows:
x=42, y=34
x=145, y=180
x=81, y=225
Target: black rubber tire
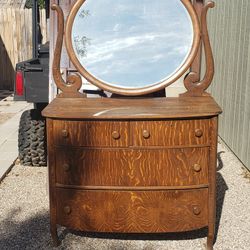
x=32, y=144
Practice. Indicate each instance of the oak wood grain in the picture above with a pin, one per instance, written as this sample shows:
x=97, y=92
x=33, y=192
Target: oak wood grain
x=131, y=212
x=138, y=133
x=127, y=167
x=132, y=109
x=170, y=132
x=212, y=180
x=88, y=133
x=52, y=181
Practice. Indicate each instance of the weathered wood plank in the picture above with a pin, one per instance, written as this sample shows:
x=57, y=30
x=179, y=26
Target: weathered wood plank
x=16, y=40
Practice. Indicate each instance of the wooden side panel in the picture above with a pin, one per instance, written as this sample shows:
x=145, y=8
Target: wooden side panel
x=212, y=181
x=52, y=181
x=169, y=133
x=113, y=134
x=145, y=212
x=114, y=167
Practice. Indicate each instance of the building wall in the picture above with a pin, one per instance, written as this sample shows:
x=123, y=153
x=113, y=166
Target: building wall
x=230, y=37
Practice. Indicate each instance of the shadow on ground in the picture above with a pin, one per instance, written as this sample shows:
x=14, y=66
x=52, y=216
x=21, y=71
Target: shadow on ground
x=32, y=233
x=221, y=188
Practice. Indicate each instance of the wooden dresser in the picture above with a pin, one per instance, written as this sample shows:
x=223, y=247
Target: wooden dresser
x=133, y=165
x=147, y=165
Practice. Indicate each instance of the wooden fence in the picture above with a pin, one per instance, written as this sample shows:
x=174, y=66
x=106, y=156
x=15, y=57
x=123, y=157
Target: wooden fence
x=12, y=3
x=16, y=41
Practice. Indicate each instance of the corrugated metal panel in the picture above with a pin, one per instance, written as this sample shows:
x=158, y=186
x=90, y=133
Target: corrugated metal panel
x=230, y=36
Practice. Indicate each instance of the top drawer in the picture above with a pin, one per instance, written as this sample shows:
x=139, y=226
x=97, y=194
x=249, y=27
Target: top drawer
x=170, y=132
x=91, y=133
x=165, y=133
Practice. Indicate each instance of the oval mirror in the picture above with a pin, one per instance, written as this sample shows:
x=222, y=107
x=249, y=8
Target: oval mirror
x=133, y=45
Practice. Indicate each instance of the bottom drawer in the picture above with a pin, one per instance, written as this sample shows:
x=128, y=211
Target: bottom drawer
x=132, y=211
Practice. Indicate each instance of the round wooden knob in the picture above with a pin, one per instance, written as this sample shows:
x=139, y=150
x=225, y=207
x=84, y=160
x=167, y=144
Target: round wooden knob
x=67, y=210
x=66, y=167
x=65, y=133
x=116, y=135
x=197, y=167
x=146, y=134
x=198, y=132
x=196, y=210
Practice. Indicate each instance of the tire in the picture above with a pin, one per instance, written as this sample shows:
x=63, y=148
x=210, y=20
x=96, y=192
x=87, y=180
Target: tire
x=32, y=145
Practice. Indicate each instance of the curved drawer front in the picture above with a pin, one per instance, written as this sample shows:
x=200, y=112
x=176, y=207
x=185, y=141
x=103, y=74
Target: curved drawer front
x=90, y=133
x=170, y=132
x=131, y=212
x=128, y=167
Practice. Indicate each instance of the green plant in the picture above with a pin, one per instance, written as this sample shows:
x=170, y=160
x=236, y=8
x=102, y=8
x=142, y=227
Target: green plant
x=41, y=4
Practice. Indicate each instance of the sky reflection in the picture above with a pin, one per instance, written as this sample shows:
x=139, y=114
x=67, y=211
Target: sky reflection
x=132, y=43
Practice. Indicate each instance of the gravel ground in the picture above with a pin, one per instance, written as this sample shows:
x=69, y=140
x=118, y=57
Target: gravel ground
x=24, y=218
x=4, y=102
x=5, y=117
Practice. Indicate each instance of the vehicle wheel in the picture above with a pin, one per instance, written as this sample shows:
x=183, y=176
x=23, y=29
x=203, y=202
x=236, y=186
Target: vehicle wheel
x=32, y=145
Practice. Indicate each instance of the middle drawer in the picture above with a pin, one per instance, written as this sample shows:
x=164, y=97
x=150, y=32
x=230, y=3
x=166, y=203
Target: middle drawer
x=128, y=167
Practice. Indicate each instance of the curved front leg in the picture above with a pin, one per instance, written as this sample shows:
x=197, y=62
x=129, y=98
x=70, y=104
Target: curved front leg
x=54, y=235
x=210, y=242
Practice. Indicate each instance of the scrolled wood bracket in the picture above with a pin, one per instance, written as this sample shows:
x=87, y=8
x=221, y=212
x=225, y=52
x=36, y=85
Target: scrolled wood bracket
x=194, y=86
x=73, y=83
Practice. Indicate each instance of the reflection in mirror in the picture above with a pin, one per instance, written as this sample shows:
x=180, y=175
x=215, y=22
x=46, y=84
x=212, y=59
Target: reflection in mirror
x=132, y=43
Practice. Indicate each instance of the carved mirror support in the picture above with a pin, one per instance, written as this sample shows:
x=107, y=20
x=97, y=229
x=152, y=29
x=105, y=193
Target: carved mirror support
x=73, y=83
x=192, y=82
x=196, y=35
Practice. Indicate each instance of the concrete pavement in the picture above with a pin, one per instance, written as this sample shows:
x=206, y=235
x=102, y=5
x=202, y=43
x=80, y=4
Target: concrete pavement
x=10, y=113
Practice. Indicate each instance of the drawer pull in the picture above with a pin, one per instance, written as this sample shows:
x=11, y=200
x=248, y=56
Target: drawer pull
x=198, y=133
x=196, y=210
x=146, y=134
x=66, y=167
x=67, y=210
x=197, y=167
x=116, y=135
x=65, y=133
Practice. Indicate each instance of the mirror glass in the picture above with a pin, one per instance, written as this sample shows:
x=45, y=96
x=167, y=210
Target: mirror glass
x=132, y=43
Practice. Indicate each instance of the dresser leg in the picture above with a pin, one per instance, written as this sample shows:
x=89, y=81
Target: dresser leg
x=210, y=242
x=54, y=235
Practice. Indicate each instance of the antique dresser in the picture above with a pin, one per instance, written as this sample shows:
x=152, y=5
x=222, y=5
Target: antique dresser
x=134, y=163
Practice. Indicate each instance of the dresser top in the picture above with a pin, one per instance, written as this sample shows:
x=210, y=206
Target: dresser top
x=136, y=108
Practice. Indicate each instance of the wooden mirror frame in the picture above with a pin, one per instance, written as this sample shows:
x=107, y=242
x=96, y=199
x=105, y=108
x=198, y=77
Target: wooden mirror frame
x=132, y=91
x=194, y=86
